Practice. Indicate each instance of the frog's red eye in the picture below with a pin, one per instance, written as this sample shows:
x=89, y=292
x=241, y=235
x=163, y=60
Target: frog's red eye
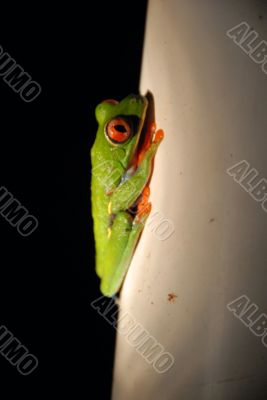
x=118, y=130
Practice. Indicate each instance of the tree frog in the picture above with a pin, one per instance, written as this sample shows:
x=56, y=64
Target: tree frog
x=122, y=162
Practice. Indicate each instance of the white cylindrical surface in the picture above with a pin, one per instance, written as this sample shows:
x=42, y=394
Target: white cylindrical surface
x=211, y=100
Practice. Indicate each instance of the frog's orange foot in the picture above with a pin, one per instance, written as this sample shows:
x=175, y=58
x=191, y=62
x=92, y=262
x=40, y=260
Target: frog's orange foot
x=144, y=207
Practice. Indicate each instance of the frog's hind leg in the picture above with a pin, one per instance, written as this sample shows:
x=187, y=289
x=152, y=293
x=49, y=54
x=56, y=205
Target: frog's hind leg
x=124, y=235
x=118, y=237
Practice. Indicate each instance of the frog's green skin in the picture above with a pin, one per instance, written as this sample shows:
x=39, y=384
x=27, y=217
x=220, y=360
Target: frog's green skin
x=114, y=191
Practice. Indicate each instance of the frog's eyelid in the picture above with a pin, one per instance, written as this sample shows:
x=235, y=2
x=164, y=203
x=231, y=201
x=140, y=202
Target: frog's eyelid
x=110, y=101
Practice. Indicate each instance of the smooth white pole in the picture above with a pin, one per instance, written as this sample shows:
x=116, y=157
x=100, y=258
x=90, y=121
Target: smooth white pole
x=211, y=99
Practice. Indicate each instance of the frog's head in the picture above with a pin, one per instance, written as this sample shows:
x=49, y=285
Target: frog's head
x=120, y=126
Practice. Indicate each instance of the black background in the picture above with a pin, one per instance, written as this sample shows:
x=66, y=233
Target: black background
x=79, y=55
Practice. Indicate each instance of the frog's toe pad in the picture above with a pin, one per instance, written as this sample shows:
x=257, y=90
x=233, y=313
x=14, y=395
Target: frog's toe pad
x=159, y=135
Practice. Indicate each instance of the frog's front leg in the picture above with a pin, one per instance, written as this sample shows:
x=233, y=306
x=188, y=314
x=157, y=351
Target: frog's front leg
x=126, y=194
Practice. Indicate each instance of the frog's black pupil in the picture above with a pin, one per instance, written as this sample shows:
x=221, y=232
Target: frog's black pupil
x=120, y=128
